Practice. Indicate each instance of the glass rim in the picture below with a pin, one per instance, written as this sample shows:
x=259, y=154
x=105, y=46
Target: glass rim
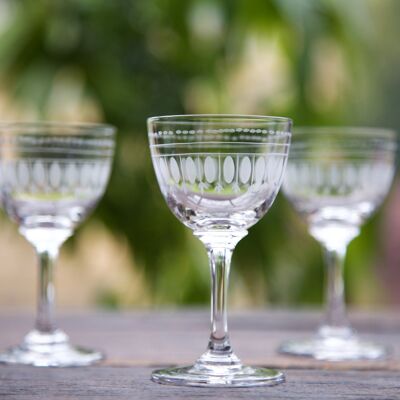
x=217, y=118
x=365, y=131
x=37, y=127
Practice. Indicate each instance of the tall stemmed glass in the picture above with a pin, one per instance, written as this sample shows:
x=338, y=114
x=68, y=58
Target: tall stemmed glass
x=51, y=176
x=219, y=175
x=336, y=178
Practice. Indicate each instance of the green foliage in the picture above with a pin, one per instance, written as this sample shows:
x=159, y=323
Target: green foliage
x=134, y=58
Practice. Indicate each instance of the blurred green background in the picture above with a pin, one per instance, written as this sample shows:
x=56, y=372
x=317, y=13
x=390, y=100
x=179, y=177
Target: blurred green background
x=121, y=61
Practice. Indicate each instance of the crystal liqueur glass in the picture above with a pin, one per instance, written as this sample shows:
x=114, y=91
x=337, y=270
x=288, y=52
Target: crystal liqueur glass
x=219, y=175
x=51, y=176
x=336, y=178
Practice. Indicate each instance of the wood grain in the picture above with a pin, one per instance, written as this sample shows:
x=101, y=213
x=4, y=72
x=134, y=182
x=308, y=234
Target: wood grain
x=104, y=382
x=137, y=341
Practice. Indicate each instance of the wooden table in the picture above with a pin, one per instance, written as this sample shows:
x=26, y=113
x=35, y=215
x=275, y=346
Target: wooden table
x=136, y=342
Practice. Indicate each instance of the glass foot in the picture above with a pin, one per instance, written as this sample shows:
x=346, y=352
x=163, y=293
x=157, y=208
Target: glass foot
x=49, y=350
x=212, y=373
x=335, y=349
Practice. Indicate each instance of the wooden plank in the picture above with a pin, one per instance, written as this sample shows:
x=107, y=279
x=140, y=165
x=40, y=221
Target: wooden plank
x=146, y=338
x=136, y=340
x=134, y=383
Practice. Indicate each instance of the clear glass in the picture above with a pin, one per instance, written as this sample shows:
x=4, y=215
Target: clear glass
x=336, y=177
x=51, y=177
x=219, y=175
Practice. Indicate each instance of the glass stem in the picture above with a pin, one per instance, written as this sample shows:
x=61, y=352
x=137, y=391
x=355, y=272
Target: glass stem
x=47, y=242
x=335, y=322
x=219, y=245
x=220, y=259
x=45, y=310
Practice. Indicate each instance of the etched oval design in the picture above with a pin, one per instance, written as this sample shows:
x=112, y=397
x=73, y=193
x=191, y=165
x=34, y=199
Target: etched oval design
x=23, y=173
x=55, y=175
x=245, y=170
x=39, y=174
x=191, y=170
x=259, y=169
x=71, y=175
x=388, y=173
x=304, y=177
x=335, y=177
x=163, y=167
x=364, y=176
x=229, y=169
x=351, y=176
x=176, y=175
x=105, y=174
x=274, y=171
x=290, y=177
x=11, y=174
x=210, y=169
x=199, y=169
x=319, y=178
x=94, y=174
x=85, y=175
x=376, y=176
